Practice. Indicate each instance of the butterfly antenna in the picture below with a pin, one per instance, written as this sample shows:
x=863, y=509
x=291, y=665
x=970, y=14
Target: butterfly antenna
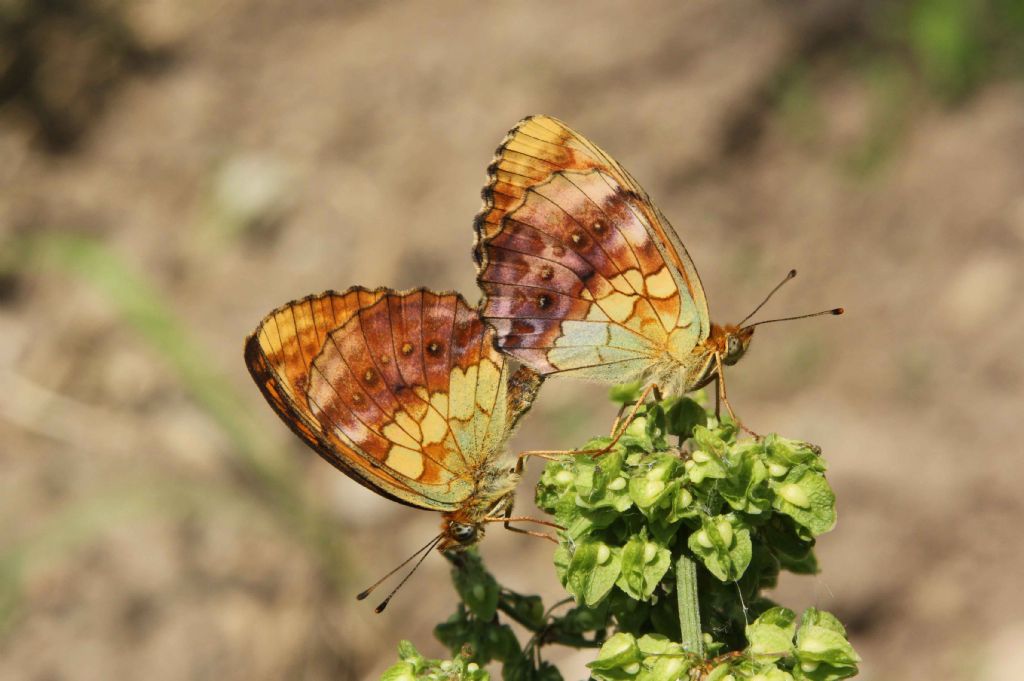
x=792, y=273
x=425, y=550
x=834, y=311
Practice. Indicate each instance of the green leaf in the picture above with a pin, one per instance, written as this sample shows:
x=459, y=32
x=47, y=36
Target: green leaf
x=714, y=441
x=707, y=462
x=476, y=586
x=770, y=673
x=823, y=652
x=407, y=651
x=683, y=415
x=592, y=571
x=681, y=505
x=401, y=671
x=583, y=619
x=562, y=558
x=745, y=487
x=627, y=393
x=723, y=546
x=783, y=453
x=644, y=563
x=599, y=483
x=620, y=652
x=487, y=640
x=664, y=660
x=529, y=610
x=806, y=497
x=414, y=667
x=771, y=634
x=653, y=482
x=556, y=491
x=721, y=673
x=522, y=669
x=630, y=615
x=793, y=551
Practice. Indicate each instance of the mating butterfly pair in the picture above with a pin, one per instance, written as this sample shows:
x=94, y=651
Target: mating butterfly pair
x=411, y=393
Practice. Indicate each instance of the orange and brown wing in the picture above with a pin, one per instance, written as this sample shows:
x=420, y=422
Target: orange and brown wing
x=402, y=391
x=580, y=271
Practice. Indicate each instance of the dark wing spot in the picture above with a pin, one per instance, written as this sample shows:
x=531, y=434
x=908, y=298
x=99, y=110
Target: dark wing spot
x=407, y=349
x=370, y=377
x=547, y=272
x=543, y=301
x=357, y=398
x=598, y=228
x=435, y=348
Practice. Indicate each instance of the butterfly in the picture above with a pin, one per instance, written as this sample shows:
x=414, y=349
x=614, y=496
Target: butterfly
x=405, y=393
x=583, y=276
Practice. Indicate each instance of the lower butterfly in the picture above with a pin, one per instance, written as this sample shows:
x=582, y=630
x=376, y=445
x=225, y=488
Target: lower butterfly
x=405, y=393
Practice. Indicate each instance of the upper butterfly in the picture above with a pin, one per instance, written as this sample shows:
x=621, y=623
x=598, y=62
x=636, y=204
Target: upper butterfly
x=404, y=393
x=583, y=276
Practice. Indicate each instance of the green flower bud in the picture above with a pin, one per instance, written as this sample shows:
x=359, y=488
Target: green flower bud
x=657, y=473
x=777, y=470
x=696, y=475
x=700, y=456
x=634, y=458
x=809, y=666
x=653, y=488
x=704, y=540
x=650, y=552
x=617, y=484
x=684, y=498
x=795, y=495
x=603, y=554
x=632, y=668
x=564, y=477
x=724, y=528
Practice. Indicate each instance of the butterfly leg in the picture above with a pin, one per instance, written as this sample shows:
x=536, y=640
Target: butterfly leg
x=508, y=518
x=622, y=429
x=617, y=432
x=618, y=417
x=720, y=393
x=718, y=399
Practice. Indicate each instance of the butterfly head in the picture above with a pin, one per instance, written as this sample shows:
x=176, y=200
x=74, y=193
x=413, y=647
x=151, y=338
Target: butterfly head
x=730, y=342
x=737, y=339
x=459, y=535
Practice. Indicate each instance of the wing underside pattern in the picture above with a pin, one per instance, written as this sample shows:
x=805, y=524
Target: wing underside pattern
x=404, y=392
x=580, y=272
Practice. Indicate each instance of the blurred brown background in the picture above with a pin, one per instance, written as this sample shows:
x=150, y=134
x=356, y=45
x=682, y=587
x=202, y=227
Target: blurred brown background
x=171, y=171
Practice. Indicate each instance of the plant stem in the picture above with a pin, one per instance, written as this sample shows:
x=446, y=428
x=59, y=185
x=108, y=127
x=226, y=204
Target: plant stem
x=689, y=606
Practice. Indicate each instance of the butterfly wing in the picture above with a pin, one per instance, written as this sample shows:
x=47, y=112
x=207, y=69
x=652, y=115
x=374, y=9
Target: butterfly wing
x=403, y=392
x=581, y=273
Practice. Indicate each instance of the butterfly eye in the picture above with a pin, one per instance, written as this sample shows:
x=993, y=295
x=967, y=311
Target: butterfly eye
x=733, y=350
x=462, y=533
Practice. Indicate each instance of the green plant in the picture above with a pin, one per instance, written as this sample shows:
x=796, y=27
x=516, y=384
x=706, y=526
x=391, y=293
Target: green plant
x=670, y=538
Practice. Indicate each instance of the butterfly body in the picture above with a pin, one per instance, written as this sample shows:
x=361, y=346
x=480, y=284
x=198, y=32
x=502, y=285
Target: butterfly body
x=404, y=392
x=583, y=276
